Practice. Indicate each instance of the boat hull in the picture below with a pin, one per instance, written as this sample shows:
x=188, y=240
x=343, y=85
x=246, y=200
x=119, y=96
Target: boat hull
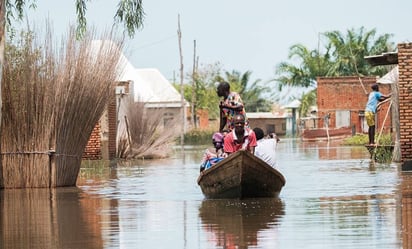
x=241, y=175
x=312, y=135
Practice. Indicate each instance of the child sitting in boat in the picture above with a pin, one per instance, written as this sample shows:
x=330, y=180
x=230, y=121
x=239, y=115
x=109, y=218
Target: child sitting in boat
x=215, y=154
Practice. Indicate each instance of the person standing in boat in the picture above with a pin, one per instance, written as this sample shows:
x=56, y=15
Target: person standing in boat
x=375, y=99
x=240, y=138
x=230, y=105
x=266, y=147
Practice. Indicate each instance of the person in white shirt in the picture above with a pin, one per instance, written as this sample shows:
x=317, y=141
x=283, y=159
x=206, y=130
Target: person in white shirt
x=266, y=147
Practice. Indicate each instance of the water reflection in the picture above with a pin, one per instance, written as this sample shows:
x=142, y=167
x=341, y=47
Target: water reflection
x=44, y=218
x=406, y=229
x=335, y=197
x=236, y=223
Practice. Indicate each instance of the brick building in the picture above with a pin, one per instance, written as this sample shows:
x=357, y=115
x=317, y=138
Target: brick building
x=344, y=99
x=143, y=85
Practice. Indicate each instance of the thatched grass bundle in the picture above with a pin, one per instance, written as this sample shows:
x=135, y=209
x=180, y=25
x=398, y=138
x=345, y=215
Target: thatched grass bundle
x=145, y=135
x=52, y=99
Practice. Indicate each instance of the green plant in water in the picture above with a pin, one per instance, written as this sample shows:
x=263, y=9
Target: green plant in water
x=383, y=154
x=92, y=168
x=362, y=139
x=197, y=137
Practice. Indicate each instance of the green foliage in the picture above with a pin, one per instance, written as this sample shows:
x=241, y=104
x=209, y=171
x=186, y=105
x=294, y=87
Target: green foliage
x=15, y=9
x=358, y=139
x=349, y=51
x=306, y=102
x=362, y=139
x=382, y=153
x=202, y=93
x=88, y=168
x=129, y=12
x=312, y=64
x=197, y=136
x=342, y=55
x=254, y=95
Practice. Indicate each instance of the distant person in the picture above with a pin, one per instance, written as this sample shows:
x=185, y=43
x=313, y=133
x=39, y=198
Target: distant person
x=375, y=99
x=240, y=138
x=230, y=105
x=274, y=136
x=266, y=147
x=211, y=156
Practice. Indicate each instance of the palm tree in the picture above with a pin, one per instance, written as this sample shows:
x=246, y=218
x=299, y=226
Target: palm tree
x=344, y=55
x=349, y=51
x=255, y=96
x=306, y=102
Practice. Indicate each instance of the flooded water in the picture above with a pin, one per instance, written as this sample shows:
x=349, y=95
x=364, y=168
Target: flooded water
x=334, y=197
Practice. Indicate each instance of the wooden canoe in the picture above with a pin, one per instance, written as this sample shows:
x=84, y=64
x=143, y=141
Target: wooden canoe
x=321, y=134
x=241, y=175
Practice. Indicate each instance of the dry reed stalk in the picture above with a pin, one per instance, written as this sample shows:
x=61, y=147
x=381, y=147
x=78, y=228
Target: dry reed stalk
x=87, y=79
x=27, y=118
x=53, y=99
x=148, y=137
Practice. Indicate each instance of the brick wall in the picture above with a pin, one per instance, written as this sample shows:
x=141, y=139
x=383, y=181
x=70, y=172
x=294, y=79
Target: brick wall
x=348, y=94
x=405, y=100
x=93, y=147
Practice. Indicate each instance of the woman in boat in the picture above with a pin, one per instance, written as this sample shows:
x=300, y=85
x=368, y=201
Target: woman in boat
x=215, y=154
x=240, y=138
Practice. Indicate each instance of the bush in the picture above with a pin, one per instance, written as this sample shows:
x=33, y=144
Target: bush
x=362, y=139
x=197, y=137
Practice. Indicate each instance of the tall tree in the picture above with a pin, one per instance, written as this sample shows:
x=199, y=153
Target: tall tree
x=310, y=65
x=343, y=55
x=349, y=51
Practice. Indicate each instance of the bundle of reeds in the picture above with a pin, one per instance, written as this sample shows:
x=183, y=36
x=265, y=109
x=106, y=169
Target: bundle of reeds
x=145, y=135
x=52, y=100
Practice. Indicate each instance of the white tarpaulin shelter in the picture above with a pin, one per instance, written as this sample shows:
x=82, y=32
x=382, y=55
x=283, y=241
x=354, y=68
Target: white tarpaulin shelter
x=390, y=78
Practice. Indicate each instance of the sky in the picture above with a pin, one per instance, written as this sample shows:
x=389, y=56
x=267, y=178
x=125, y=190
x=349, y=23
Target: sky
x=241, y=35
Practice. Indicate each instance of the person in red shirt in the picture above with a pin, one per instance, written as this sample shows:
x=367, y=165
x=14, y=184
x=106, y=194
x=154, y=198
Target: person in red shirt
x=240, y=138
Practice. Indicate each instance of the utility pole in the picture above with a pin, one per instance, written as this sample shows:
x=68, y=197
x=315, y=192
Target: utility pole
x=179, y=35
x=194, y=77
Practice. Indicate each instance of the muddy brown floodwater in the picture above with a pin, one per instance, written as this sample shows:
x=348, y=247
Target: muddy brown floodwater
x=334, y=197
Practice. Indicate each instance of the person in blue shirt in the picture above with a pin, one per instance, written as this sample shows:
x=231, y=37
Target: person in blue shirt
x=374, y=101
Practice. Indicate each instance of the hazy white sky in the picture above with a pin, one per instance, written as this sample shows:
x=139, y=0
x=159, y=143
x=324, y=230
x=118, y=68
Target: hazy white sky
x=241, y=35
